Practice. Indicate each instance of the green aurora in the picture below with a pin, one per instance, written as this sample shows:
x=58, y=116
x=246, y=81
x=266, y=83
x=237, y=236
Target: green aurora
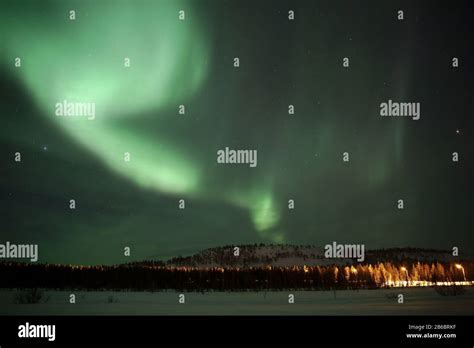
x=190, y=62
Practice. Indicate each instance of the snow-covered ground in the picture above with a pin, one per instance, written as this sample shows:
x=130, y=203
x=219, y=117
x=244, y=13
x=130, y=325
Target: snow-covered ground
x=417, y=301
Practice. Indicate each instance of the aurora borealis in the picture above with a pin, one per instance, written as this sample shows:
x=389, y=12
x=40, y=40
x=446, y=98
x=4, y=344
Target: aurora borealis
x=173, y=156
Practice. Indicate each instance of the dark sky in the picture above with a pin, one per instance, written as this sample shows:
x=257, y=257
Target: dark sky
x=173, y=156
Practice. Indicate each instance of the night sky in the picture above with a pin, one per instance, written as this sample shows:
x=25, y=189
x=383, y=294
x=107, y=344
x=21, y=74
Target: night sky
x=191, y=62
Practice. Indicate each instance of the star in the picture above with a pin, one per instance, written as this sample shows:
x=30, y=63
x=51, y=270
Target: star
x=457, y=131
x=45, y=148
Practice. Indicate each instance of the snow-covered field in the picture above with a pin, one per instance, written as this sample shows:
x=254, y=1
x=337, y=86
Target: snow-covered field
x=417, y=301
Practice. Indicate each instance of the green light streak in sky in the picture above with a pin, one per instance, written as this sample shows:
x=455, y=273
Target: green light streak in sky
x=83, y=61
x=264, y=213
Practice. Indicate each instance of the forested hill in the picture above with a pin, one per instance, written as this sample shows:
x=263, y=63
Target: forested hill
x=260, y=255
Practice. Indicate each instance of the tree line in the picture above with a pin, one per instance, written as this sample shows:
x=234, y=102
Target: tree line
x=157, y=277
